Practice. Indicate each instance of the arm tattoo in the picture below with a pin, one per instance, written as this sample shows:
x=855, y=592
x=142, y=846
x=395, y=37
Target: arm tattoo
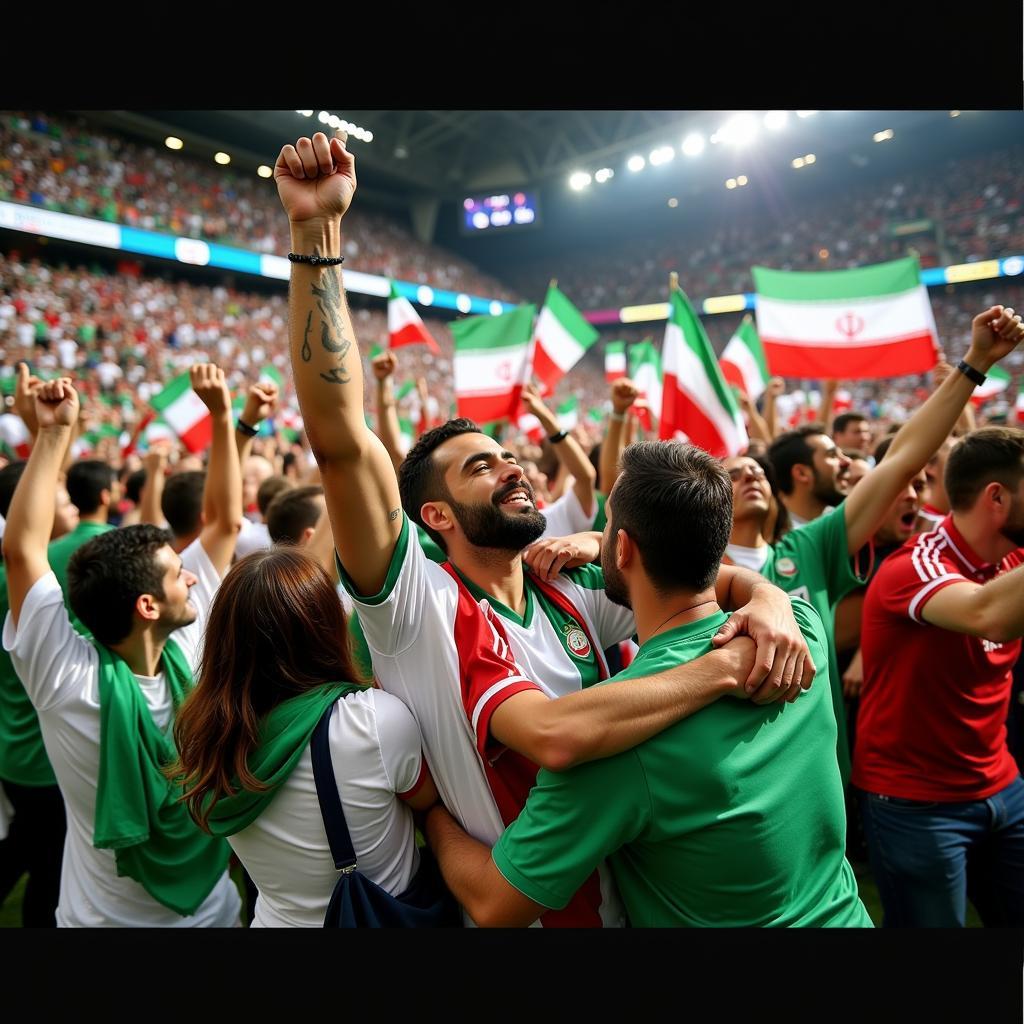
x=336, y=375
x=393, y=514
x=306, y=353
x=329, y=299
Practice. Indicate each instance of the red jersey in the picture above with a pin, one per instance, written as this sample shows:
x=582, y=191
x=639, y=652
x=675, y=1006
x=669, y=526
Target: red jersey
x=932, y=719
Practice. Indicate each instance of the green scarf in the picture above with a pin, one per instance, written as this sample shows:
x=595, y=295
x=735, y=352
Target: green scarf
x=284, y=735
x=138, y=813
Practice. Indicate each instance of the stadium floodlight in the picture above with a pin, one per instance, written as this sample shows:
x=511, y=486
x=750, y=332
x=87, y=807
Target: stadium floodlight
x=222, y=158
x=636, y=163
x=579, y=180
x=693, y=144
x=661, y=155
x=775, y=120
x=495, y=308
x=883, y=136
x=369, y=136
x=810, y=158
x=603, y=175
x=305, y=113
x=739, y=130
x=730, y=183
x=741, y=180
x=806, y=113
x=673, y=202
x=323, y=117
x=798, y=162
x=334, y=121
x=264, y=171
x=463, y=303
x=954, y=113
x=425, y=295
x=173, y=143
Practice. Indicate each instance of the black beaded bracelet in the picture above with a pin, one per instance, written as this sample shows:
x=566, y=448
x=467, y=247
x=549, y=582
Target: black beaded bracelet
x=246, y=429
x=560, y=436
x=976, y=377
x=317, y=261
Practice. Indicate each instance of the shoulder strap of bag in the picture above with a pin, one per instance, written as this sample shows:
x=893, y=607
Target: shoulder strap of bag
x=327, y=793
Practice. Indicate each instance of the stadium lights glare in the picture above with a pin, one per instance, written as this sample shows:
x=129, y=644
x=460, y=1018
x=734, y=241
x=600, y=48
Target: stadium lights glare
x=579, y=180
x=882, y=136
x=806, y=113
x=693, y=144
x=673, y=202
x=954, y=113
x=741, y=180
x=264, y=171
x=730, y=183
x=335, y=122
x=662, y=155
x=739, y=130
x=799, y=162
x=603, y=175
x=222, y=158
x=172, y=143
x=305, y=113
x=810, y=158
x=775, y=120
x=369, y=136
x=323, y=117
x=636, y=163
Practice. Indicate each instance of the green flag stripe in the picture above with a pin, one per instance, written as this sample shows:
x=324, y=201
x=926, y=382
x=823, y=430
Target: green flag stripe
x=510, y=330
x=172, y=391
x=570, y=318
x=829, y=285
x=748, y=332
x=686, y=320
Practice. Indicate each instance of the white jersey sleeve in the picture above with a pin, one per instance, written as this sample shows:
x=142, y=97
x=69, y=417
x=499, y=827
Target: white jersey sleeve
x=50, y=657
x=567, y=515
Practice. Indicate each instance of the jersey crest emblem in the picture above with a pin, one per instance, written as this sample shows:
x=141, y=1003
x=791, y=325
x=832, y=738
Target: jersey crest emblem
x=786, y=567
x=577, y=642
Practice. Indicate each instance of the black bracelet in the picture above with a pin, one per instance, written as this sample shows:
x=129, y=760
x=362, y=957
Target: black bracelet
x=316, y=261
x=975, y=376
x=560, y=436
x=246, y=429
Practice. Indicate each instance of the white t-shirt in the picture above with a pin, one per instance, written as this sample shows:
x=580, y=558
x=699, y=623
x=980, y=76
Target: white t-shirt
x=376, y=753
x=566, y=515
x=60, y=670
x=452, y=671
x=748, y=558
x=252, y=537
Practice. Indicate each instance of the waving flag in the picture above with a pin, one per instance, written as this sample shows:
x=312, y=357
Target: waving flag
x=404, y=324
x=614, y=360
x=743, y=363
x=561, y=337
x=645, y=369
x=184, y=412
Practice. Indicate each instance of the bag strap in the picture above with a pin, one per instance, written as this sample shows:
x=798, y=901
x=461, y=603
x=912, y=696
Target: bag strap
x=327, y=793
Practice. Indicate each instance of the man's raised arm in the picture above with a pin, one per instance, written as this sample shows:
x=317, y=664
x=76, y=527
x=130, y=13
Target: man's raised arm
x=994, y=334
x=316, y=182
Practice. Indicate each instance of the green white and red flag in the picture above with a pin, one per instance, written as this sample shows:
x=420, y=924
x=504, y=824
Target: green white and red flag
x=184, y=412
x=271, y=374
x=645, y=371
x=697, y=404
x=743, y=363
x=865, y=323
x=568, y=413
x=614, y=360
x=529, y=425
x=491, y=355
x=596, y=414
x=404, y=324
x=561, y=337
x=997, y=381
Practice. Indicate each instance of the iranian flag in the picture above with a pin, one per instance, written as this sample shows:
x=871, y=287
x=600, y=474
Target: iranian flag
x=491, y=363
x=866, y=323
x=614, y=360
x=645, y=370
x=184, y=412
x=1020, y=406
x=698, y=406
x=404, y=324
x=15, y=435
x=568, y=414
x=529, y=425
x=997, y=381
x=560, y=339
x=743, y=363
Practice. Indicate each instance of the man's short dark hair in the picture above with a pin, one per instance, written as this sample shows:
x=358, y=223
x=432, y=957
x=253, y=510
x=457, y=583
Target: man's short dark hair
x=182, y=501
x=269, y=490
x=293, y=511
x=675, y=502
x=791, y=449
x=419, y=478
x=133, y=486
x=9, y=477
x=108, y=573
x=86, y=482
x=981, y=457
x=844, y=419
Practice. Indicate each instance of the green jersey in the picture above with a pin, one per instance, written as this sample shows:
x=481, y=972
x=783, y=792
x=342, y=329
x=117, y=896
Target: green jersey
x=732, y=817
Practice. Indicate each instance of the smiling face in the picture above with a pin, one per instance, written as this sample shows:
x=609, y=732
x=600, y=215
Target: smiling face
x=751, y=492
x=490, y=499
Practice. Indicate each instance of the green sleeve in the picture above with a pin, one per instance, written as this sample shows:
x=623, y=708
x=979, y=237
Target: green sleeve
x=395, y=567
x=571, y=822
x=825, y=540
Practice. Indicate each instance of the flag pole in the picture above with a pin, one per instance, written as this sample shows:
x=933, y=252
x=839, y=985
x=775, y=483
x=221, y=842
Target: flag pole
x=673, y=281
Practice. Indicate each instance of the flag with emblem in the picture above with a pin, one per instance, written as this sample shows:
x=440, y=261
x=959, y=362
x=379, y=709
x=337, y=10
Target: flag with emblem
x=490, y=363
x=560, y=339
x=697, y=404
x=645, y=371
x=853, y=324
x=184, y=412
x=743, y=364
x=404, y=324
x=614, y=360
x=998, y=380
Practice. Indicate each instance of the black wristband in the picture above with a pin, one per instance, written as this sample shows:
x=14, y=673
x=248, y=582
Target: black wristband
x=975, y=376
x=246, y=429
x=560, y=436
x=317, y=261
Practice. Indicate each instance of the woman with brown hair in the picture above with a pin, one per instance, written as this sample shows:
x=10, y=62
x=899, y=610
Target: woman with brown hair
x=276, y=659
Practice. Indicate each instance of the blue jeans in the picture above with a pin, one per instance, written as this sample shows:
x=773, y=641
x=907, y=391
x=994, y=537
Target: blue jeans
x=929, y=858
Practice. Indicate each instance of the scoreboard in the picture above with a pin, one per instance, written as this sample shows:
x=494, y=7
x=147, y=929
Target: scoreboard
x=502, y=212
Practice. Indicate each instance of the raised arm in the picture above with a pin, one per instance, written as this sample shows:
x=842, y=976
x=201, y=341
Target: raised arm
x=624, y=394
x=993, y=611
x=222, y=492
x=388, y=429
x=151, y=496
x=994, y=334
x=757, y=425
x=776, y=386
x=828, y=402
x=316, y=182
x=568, y=451
x=260, y=403
x=30, y=517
